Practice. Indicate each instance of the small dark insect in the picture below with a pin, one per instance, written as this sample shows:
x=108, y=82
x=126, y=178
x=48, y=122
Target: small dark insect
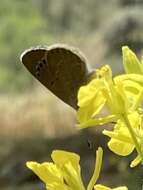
x=113, y=122
x=90, y=145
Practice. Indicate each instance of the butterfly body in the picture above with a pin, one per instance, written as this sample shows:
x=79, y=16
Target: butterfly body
x=60, y=68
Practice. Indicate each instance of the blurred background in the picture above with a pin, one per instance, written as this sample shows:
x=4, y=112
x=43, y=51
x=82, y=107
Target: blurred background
x=33, y=121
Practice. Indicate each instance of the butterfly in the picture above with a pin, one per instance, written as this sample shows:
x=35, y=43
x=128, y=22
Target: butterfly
x=60, y=68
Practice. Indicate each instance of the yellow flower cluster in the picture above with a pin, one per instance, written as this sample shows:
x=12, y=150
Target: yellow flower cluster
x=64, y=172
x=108, y=99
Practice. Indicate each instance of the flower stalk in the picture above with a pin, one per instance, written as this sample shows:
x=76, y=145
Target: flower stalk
x=98, y=164
x=133, y=135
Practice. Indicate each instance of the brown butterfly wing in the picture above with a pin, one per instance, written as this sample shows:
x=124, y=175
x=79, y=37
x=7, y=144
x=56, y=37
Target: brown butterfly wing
x=60, y=68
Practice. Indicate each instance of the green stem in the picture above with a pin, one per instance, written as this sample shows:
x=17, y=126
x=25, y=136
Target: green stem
x=98, y=164
x=132, y=133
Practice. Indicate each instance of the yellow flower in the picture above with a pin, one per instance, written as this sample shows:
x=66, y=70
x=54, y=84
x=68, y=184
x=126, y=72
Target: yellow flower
x=64, y=172
x=117, y=95
x=121, y=141
x=98, y=94
x=120, y=95
x=115, y=100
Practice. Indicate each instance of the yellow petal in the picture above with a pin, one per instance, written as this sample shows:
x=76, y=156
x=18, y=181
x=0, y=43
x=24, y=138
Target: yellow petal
x=120, y=133
x=90, y=101
x=134, y=93
x=120, y=147
x=72, y=177
x=47, y=172
x=132, y=87
x=61, y=157
x=114, y=97
x=125, y=138
x=134, y=77
x=86, y=93
x=89, y=112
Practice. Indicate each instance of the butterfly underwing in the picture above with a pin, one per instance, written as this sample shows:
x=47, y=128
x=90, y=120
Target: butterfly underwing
x=60, y=68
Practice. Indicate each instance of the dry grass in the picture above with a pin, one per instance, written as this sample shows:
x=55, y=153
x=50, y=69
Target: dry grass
x=37, y=112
